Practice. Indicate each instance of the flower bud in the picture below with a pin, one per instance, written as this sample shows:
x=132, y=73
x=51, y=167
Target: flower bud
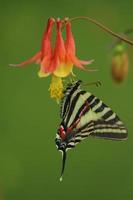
x=120, y=64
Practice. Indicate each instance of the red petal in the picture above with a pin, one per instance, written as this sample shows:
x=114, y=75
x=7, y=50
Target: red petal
x=59, y=50
x=53, y=65
x=69, y=43
x=70, y=49
x=45, y=64
x=46, y=43
x=35, y=58
x=76, y=62
x=84, y=62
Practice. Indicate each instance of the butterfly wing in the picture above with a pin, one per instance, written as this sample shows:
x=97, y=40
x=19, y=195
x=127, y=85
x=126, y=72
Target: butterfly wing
x=87, y=115
x=100, y=121
x=69, y=93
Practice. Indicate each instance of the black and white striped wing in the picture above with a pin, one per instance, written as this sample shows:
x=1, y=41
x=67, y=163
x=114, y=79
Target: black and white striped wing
x=95, y=118
x=70, y=92
x=83, y=115
x=99, y=120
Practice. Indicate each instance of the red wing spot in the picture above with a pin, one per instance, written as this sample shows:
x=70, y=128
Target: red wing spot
x=84, y=109
x=69, y=130
x=62, y=132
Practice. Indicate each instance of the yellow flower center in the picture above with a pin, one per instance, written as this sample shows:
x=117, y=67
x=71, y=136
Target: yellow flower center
x=56, y=88
x=63, y=70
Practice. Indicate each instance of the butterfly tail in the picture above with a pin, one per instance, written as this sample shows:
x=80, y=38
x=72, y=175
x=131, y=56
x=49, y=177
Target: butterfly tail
x=63, y=163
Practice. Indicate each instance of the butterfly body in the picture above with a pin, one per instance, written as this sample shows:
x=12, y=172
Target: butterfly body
x=84, y=115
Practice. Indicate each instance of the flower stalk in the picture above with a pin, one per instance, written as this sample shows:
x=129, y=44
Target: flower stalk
x=103, y=27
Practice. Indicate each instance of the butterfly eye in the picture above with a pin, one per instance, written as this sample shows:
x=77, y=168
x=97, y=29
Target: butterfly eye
x=57, y=141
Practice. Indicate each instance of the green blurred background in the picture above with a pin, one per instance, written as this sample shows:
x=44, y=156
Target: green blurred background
x=29, y=162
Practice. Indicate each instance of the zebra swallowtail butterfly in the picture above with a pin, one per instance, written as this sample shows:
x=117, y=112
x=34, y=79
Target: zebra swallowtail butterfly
x=84, y=115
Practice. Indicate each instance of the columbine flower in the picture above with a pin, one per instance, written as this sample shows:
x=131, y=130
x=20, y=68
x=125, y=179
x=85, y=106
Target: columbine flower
x=59, y=61
x=58, y=57
x=64, y=56
x=120, y=63
x=61, y=64
x=46, y=51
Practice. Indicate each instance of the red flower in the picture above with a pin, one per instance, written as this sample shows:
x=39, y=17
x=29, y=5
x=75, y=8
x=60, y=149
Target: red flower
x=58, y=57
x=63, y=59
x=58, y=61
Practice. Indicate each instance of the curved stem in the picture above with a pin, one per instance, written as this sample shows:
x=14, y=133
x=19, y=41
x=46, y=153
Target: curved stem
x=106, y=29
x=119, y=41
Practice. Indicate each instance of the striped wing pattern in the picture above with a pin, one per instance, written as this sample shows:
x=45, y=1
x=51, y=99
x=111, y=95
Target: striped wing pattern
x=87, y=116
x=69, y=92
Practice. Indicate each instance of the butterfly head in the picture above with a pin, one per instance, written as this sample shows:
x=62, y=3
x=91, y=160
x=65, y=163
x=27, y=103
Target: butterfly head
x=60, y=145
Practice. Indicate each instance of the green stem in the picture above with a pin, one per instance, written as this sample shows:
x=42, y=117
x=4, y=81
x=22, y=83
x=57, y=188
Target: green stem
x=104, y=28
x=119, y=41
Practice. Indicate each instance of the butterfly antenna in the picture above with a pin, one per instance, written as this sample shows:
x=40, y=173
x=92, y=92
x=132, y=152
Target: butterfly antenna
x=96, y=83
x=63, y=164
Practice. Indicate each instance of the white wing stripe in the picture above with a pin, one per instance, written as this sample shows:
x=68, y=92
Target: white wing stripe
x=79, y=103
x=110, y=130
